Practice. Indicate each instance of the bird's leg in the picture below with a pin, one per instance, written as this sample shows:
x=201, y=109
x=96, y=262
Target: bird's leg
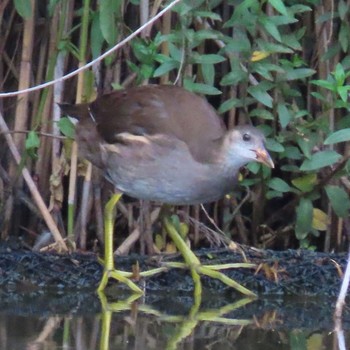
x=108, y=264
x=191, y=261
x=197, y=268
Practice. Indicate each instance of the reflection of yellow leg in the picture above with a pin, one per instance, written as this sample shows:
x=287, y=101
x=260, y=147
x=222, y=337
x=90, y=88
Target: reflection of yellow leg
x=107, y=312
x=184, y=324
x=187, y=324
x=108, y=265
x=197, y=268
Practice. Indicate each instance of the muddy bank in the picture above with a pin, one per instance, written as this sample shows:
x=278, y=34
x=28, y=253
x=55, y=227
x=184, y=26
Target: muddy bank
x=287, y=273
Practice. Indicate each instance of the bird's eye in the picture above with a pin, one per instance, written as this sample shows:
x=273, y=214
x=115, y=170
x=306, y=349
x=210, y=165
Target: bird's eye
x=246, y=137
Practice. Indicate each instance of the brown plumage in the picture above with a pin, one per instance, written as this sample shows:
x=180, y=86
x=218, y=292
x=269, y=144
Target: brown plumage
x=161, y=142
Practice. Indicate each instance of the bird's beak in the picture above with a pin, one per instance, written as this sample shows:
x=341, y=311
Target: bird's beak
x=262, y=156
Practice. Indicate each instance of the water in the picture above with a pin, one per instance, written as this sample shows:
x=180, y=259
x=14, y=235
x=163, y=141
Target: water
x=85, y=320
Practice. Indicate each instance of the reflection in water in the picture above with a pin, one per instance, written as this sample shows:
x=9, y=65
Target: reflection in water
x=168, y=322
x=185, y=324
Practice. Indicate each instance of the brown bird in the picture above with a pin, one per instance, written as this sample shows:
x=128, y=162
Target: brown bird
x=163, y=143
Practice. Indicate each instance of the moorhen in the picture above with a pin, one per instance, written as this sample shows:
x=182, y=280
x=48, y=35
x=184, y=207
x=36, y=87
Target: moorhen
x=163, y=143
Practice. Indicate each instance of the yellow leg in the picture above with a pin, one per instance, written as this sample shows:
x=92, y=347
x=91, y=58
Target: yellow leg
x=191, y=261
x=109, y=270
x=197, y=268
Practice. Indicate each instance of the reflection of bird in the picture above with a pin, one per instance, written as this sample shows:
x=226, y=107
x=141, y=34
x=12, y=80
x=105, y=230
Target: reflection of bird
x=166, y=144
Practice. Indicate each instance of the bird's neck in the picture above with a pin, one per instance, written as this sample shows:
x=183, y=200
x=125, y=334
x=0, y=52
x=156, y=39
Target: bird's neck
x=225, y=156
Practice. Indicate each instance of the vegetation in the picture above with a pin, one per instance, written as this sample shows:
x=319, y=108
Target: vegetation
x=281, y=65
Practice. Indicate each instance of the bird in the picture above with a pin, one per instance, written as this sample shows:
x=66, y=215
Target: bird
x=163, y=143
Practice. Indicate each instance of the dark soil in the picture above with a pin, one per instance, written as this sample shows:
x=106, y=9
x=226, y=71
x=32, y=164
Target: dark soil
x=291, y=272
x=302, y=291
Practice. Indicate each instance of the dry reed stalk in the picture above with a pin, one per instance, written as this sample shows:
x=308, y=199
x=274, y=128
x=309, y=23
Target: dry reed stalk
x=324, y=32
x=42, y=110
x=125, y=247
x=166, y=27
x=97, y=205
x=21, y=116
x=85, y=207
x=4, y=36
x=144, y=14
x=64, y=12
x=196, y=216
x=146, y=239
x=32, y=187
x=22, y=112
x=80, y=96
x=154, y=11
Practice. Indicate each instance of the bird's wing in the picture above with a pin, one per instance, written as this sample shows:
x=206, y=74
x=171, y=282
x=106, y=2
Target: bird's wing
x=154, y=109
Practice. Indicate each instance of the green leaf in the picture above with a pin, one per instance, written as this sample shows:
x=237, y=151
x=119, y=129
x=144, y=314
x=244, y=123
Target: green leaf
x=343, y=92
x=261, y=95
x=200, y=88
x=339, y=200
x=24, y=8
x=301, y=113
x=175, y=52
x=51, y=7
x=208, y=72
x=274, y=146
x=299, y=73
x=96, y=36
x=279, y=6
x=265, y=69
x=66, y=127
x=237, y=45
x=306, y=145
x=344, y=36
x=343, y=9
x=32, y=143
x=273, y=194
x=32, y=140
x=228, y=104
x=254, y=167
x=338, y=136
x=205, y=34
x=320, y=220
x=272, y=47
x=207, y=59
x=108, y=25
x=208, y=14
x=299, y=8
x=292, y=152
x=289, y=167
x=144, y=51
x=325, y=84
x=234, y=77
x=339, y=74
x=292, y=41
x=146, y=71
x=320, y=159
x=305, y=183
x=278, y=184
x=283, y=115
x=165, y=68
x=262, y=113
x=271, y=28
x=303, y=223
x=282, y=20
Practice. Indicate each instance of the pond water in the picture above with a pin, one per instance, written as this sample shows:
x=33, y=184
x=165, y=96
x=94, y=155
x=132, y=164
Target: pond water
x=85, y=320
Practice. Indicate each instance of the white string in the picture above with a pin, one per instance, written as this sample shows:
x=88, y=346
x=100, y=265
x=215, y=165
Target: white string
x=98, y=59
